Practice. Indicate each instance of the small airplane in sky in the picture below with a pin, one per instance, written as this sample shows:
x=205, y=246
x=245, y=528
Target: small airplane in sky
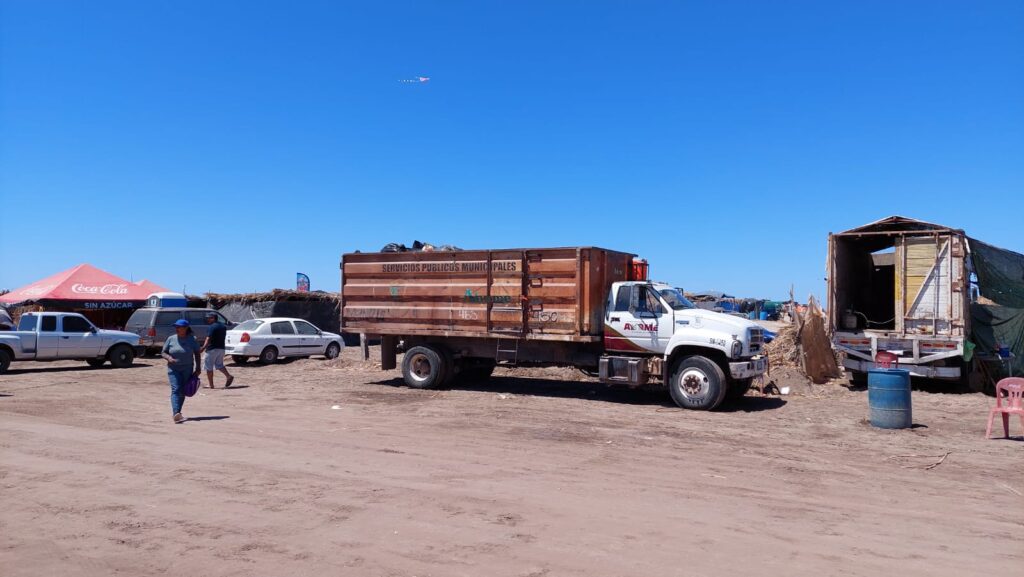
x=417, y=80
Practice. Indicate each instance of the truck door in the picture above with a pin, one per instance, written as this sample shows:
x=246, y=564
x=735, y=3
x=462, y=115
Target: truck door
x=47, y=343
x=77, y=339
x=637, y=321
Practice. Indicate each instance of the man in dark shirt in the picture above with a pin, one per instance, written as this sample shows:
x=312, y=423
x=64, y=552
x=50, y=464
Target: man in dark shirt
x=214, y=349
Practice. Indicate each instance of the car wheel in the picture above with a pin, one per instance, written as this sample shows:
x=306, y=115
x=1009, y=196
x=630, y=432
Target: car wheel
x=5, y=361
x=423, y=368
x=269, y=355
x=96, y=362
x=697, y=383
x=332, y=352
x=121, y=356
x=239, y=359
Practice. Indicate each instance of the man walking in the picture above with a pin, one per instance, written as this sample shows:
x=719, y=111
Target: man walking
x=214, y=349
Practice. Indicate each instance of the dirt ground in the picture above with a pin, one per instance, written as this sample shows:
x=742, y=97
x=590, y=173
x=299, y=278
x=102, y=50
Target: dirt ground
x=331, y=468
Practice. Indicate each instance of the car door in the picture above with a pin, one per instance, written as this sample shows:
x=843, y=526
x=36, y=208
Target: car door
x=48, y=341
x=287, y=342
x=164, y=325
x=78, y=339
x=197, y=318
x=312, y=342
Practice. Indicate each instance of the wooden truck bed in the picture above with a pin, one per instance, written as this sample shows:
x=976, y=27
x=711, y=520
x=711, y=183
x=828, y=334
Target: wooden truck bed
x=553, y=294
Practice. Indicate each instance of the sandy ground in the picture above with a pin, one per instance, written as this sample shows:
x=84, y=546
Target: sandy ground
x=523, y=475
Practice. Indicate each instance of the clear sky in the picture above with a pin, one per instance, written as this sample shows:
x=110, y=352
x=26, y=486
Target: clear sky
x=225, y=146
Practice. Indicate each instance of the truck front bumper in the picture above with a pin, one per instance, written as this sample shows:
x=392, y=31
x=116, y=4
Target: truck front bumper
x=747, y=369
x=915, y=370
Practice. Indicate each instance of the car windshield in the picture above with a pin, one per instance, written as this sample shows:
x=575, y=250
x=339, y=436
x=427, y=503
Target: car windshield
x=249, y=325
x=675, y=299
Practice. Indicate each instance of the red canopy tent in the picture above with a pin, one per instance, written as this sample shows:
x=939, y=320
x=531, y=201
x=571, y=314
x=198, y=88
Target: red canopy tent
x=108, y=300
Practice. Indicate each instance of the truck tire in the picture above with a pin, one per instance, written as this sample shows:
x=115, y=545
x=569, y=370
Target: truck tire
x=738, y=388
x=121, y=356
x=269, y=355
x=96, y=363
x=424, y=368
x=697, y=383
x=5, y=361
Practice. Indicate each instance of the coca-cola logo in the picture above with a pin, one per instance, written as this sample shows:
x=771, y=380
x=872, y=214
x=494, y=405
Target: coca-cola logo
x=38, y=290
x=107, y=289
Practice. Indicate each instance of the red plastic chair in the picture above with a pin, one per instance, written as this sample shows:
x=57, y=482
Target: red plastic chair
x=1014, y=389
x=886, y=360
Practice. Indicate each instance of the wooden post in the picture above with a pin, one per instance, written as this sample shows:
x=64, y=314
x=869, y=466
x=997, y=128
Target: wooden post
x=388, y=354
x=364, y=344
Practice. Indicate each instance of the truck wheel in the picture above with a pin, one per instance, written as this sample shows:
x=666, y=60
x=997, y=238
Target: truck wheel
x=269, y=355
x=697, y=383
x=5, y=361
x=423, y=368
x=96, y=363
x=121, y=356
x=239, y=359
x=738, y=388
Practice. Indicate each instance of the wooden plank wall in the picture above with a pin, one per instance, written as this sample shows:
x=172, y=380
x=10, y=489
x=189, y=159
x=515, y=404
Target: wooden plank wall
x=494, y=292
x=932, y=277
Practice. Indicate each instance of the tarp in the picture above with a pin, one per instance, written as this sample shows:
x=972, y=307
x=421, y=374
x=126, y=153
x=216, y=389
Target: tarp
x=1000, y=274
x=5, y=320
x=994, y=325
x=325, y=314
x=149, y=287
x=82, y=283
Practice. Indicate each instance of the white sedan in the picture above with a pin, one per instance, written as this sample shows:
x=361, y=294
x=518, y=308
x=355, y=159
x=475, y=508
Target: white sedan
x=275, y=338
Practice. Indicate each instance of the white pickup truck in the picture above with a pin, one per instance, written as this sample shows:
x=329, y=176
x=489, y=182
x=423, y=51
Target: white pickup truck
x=66, y=336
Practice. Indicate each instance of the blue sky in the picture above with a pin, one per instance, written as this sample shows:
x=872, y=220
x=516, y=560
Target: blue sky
x=224, y=146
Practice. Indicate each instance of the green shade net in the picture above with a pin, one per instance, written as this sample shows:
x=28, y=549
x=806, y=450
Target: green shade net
x=1000, y=275
x=993, y=325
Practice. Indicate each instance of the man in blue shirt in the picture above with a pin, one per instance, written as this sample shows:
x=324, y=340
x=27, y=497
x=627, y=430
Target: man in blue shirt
x=214, y=349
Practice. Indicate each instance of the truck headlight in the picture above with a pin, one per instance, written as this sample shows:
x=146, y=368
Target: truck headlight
x=737, y=349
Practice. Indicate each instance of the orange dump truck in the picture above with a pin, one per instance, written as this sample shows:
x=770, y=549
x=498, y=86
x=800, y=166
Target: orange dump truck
x=458, y=314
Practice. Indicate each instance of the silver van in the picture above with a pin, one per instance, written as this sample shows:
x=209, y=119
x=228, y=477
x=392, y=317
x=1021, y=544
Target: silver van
x=154, y=325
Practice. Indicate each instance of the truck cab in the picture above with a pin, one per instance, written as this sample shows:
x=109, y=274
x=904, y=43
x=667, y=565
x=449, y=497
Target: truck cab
x=53, y=336
x=651, y=329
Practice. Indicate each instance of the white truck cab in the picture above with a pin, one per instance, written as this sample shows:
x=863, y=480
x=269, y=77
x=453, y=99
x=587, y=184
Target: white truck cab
x=702, y=355
x=57, y=336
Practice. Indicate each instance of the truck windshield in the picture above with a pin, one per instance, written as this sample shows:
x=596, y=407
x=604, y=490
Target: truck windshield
x=675, y=299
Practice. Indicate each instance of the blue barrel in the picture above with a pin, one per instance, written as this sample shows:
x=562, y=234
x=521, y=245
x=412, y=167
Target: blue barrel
x=889, y=398
x=764, y=315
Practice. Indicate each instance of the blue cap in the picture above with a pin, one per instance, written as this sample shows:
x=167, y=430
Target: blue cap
x=181, y=323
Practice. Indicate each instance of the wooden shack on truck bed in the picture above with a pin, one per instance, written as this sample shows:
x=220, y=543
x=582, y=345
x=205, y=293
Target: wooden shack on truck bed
x=545, y=294
x=899, y=275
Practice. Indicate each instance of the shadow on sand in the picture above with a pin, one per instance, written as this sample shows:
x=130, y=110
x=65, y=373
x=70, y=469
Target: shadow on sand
x=84, y=367
x=592, y=391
